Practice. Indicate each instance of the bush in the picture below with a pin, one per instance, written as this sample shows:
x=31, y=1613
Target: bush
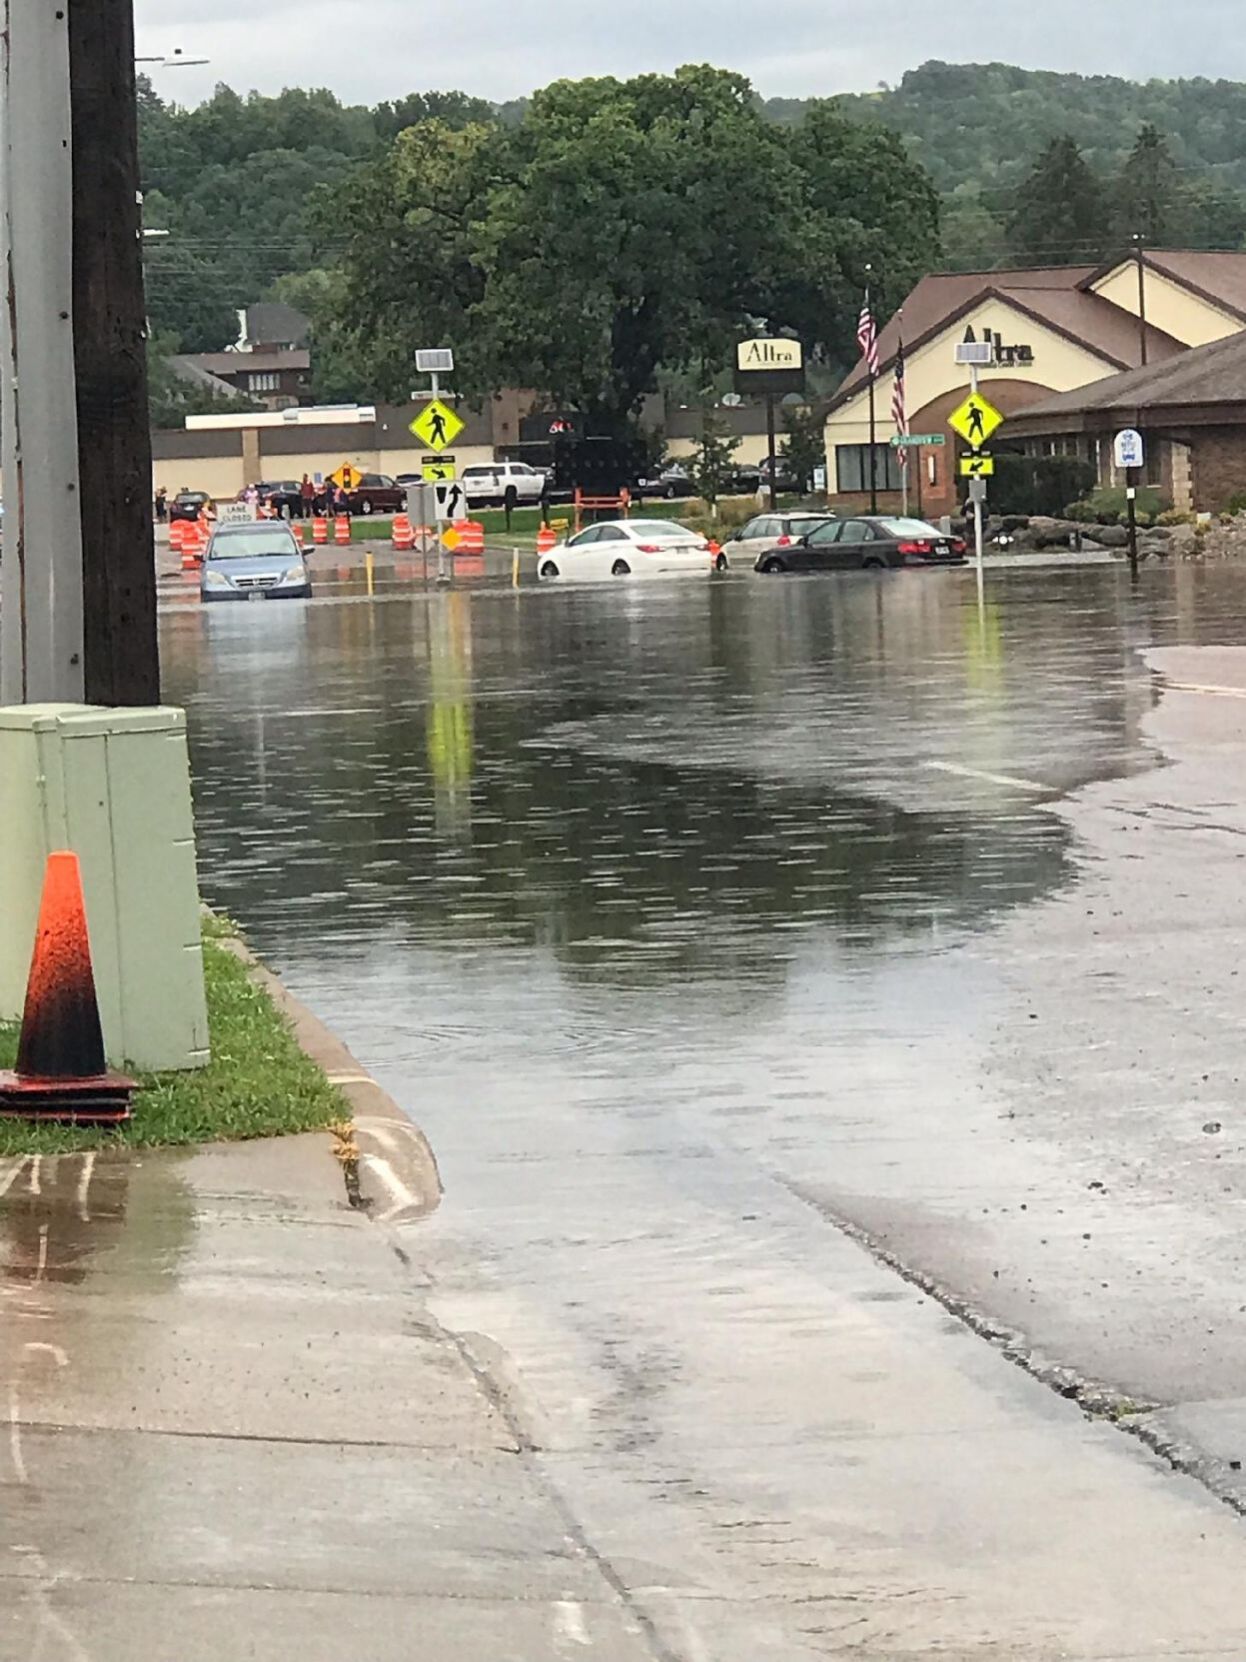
x=1037, y=484
x=1108, y=507
x=1236, y=503
x=1174, y=516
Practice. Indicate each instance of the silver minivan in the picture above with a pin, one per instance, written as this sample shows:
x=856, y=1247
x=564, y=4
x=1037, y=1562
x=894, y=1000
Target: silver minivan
x=254, y=561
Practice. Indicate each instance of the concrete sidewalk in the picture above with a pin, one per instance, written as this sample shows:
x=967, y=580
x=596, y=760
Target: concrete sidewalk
x=236, y=1430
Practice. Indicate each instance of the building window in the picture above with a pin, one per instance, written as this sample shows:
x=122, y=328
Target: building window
x=852, y=467
x=267, y=381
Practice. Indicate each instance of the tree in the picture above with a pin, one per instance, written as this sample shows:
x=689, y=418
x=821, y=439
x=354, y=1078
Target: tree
x=1150, y=198
x=1060, y=210
x=621, y=229
x=804, y=448
x=710, y=465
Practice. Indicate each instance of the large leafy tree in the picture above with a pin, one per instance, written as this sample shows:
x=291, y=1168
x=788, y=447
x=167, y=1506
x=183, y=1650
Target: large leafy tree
x=1150, y=196
x=620, y=229
x=1060, y=212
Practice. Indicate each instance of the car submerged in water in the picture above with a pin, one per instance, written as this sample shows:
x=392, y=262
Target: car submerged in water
x=871, y=542
x=247, y=561
x=630, y=548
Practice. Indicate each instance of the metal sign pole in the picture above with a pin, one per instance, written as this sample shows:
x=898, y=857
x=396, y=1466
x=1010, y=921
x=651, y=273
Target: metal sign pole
x=978, y=489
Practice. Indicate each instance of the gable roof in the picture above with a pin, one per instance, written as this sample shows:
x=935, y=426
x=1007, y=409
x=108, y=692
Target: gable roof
x=1214, y=275
x=1057, y=296
x=1213, y=374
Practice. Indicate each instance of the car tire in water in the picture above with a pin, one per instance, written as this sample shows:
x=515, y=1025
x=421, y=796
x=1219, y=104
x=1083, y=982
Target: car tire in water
x=620, y=568
x=773, y=567
x=873, y=562
x=720, y=564
x=549, y=569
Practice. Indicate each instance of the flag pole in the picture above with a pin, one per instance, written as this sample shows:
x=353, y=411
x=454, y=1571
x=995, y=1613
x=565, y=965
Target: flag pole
x=873, y=452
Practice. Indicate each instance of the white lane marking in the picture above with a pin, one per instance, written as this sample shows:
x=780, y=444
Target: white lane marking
x=10, y=1176
x=1007, y=779
x=569, y=1620
x=36, y=1168
x=42, y=1267
x=1201, y=687
x=84, y=1187
x=15, y=1435
x=46, y=1349
x=49, y=1622
x=403, y=1198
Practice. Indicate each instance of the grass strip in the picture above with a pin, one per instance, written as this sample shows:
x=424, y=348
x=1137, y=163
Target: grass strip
x=258, y=1084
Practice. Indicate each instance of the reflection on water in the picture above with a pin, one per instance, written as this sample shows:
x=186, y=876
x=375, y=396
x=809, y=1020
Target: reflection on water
x=655, y=781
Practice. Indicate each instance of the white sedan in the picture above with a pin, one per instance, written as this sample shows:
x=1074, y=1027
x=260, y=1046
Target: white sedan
x=631, y=547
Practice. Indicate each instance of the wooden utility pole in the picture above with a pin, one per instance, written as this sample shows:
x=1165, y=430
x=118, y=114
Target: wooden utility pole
x=110, y=359
x=78, y=619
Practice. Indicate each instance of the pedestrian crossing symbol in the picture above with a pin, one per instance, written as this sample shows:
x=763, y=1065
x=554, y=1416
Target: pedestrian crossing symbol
x=975, y=420
x=437, y=426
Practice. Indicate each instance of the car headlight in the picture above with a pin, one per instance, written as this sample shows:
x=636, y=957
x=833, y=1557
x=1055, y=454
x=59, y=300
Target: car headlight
x=294, y=574
x=216, y=580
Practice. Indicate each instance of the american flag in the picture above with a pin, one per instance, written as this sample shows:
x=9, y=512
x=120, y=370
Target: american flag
x=899, y=406
x=867, y=336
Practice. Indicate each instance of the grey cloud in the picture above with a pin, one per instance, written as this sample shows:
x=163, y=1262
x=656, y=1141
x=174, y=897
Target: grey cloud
x=367, y=50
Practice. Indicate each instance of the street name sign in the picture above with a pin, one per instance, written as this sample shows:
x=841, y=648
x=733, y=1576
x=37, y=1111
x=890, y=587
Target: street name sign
x=437, y=425
x=975, y=420
x=906, y=441
x=1129, y=449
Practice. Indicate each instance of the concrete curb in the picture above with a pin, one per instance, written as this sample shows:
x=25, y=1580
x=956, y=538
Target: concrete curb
x=391, y=1171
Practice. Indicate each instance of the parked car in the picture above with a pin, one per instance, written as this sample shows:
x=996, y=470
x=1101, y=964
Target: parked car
x=283, y=496
x=377, y=493
x=630, y=547
x=188, y=505
x=769, y=531
x=871, y=542
x=496, y=482
x=784, y=479
x=256, y=561
x=668, y=483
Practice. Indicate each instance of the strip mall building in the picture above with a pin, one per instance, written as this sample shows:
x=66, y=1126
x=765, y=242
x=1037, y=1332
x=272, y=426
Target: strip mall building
x=1055, y=330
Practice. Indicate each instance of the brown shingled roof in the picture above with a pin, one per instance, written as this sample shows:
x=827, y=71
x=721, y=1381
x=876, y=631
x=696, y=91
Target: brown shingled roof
x=1214, y=275
x=1214, y=374
x=1058, y=296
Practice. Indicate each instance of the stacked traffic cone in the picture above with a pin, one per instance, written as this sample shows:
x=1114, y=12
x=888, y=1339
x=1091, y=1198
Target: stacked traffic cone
x=545, y=540
x=62, y=1072
x=320, y=529
x=341, y=530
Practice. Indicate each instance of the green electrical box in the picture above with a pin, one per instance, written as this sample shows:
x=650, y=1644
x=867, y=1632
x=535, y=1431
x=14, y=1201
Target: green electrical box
x=113, y=786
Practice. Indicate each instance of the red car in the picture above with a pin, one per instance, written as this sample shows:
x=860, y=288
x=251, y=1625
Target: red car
x=377, y=494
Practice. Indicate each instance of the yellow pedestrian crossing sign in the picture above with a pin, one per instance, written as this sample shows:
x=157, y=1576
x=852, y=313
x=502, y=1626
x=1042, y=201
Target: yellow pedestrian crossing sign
x=437, y=426
x=975, y=420
x=436, y=469
x=977, y=467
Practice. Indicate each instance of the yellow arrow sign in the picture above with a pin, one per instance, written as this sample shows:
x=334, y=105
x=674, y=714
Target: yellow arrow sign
x=975, y=420
x=437, y=426
x=436, y=472
x=977, y=467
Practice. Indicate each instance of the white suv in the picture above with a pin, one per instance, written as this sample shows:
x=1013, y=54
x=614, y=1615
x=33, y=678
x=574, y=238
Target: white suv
x=494, y=481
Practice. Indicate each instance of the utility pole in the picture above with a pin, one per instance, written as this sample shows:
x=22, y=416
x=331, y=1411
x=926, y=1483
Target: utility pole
x=1139, y=243
x=78, y=573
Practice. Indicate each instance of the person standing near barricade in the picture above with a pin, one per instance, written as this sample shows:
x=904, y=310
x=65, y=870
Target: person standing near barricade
x=307, y=492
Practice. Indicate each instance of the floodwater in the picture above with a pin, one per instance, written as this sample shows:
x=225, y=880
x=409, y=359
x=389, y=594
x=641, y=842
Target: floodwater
x=663, y=906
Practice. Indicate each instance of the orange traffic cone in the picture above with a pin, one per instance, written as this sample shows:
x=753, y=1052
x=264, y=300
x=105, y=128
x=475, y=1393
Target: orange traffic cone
x=62, y=1072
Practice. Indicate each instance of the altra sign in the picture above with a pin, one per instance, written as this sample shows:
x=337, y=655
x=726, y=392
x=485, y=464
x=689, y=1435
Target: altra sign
x=769, y=367
x=769, y=354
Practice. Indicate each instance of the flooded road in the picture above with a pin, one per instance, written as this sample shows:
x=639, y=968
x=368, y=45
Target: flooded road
x=701, y=925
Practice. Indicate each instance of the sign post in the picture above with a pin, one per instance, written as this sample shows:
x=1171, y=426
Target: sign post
x=975, y=420
x=1129, y=453
x=774, y=367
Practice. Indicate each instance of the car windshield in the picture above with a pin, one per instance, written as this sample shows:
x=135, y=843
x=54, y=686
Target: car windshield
x=909, y=528
x=191, y=496
x=659, y=528
x=252, y=545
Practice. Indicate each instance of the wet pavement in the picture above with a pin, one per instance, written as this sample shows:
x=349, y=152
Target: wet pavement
x=728, y=938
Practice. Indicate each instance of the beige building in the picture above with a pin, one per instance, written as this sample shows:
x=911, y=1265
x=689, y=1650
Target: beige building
x=1055, y=330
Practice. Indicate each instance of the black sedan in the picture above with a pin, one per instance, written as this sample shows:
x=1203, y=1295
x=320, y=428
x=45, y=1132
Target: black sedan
x=877, y=542
x=188, y=505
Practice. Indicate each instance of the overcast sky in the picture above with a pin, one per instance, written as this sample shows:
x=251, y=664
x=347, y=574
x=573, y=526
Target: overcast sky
x=367, y=50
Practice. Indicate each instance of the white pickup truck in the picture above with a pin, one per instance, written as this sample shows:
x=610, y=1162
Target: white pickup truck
x=486, y=483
